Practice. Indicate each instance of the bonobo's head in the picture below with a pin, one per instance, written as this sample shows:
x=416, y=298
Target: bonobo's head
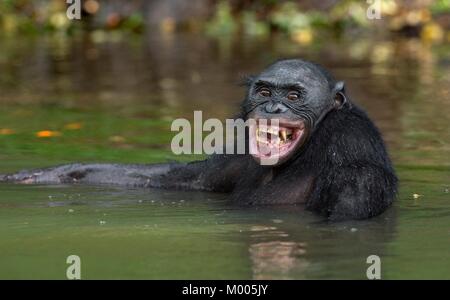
x=295, y=93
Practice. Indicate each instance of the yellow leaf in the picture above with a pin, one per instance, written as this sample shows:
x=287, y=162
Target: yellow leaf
x=167, y=25
x=303, y=36
x=117, y=139
x=73, y=126
x=432, y=32
x=6, y=131
x=47, y=133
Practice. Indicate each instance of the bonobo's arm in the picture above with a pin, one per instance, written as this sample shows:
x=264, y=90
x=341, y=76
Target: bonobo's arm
x=356, y=191
x=217, y=173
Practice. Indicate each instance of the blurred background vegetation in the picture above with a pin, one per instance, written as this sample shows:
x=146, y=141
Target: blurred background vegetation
x=302, y=21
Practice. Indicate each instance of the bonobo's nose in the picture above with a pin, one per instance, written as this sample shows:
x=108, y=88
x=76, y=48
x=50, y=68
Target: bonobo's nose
x=275, y=108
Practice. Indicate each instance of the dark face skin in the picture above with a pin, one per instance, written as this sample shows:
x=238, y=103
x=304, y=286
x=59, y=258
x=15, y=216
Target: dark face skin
x=297, y=95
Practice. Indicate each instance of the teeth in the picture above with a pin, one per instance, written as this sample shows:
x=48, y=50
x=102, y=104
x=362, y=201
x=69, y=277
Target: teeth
x=283, y=135
x=271, y=130
x=277, y=136
x=260, y=140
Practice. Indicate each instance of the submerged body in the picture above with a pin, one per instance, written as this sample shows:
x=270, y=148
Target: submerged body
x=331, y=157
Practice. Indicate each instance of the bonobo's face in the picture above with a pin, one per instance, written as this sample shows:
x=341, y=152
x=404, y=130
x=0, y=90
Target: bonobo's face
x=294, y=94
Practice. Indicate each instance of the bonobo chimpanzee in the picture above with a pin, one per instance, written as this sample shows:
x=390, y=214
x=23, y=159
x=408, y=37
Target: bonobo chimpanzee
x=330, y=157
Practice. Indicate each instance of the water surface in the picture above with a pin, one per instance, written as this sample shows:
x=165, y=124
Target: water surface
x=110, y=97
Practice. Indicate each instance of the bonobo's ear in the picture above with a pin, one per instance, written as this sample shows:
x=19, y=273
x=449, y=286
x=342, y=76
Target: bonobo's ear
x=247, y=80
x=339, y=95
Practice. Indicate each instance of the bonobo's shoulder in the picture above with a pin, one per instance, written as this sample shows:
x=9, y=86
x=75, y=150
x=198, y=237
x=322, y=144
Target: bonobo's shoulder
x=351, y=119
x=352, y=136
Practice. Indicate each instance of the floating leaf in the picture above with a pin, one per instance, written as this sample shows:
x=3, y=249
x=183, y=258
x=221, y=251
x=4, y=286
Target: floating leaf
x=47, y=133
x=117, y=139
x=73, y=126
x=6, y=131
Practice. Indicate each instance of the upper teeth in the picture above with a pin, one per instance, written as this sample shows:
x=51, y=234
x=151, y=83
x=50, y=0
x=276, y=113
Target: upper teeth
x=278, y=134
x=271, y=130
x=283, y=134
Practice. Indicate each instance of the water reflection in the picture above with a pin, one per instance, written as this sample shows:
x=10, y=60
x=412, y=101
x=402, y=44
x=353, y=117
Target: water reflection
x=277, y=259
x=303, y=246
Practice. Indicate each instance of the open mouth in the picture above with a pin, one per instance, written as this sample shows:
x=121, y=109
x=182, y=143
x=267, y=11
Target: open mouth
x=274, y=140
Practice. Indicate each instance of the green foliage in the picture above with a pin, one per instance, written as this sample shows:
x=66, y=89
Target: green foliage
x=349, y=14
x=255, y=18
x=440, y=6
x=253, y=26
x=134, y=23
x=289, y=18
x=223, y=22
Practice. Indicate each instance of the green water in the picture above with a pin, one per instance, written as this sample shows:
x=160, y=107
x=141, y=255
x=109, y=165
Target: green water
x=114, y=101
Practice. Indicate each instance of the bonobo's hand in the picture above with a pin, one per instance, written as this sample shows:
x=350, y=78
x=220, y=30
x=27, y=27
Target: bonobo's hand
x=21, y=177
x=153, y=175
x=61, y=174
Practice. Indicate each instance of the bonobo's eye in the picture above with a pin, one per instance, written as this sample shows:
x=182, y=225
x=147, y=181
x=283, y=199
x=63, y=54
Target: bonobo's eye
x=265, y=92
x=293, y=96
